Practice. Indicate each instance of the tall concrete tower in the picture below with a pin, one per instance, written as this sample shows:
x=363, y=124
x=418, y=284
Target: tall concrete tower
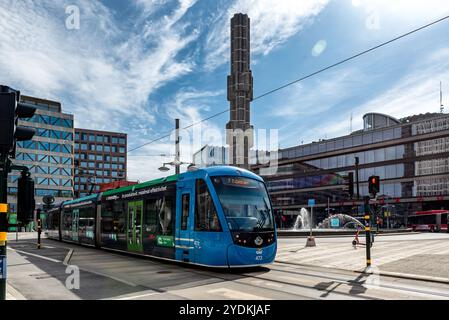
x=239, y=131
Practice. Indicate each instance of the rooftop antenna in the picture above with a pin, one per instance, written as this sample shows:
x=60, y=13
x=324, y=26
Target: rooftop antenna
x=441, y=98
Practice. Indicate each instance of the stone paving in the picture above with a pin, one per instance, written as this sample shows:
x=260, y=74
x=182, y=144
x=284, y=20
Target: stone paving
x=416, y=255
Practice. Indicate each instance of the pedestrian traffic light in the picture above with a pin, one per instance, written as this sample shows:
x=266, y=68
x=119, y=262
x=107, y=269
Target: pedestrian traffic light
x=11, y=110
x=25, y=198
x=374, y=185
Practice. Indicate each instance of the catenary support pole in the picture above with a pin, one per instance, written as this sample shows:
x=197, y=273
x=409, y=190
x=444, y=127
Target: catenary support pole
x=177, y=156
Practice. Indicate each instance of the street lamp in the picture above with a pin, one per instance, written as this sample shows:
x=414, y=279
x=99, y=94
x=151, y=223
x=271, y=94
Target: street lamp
x=175, y=164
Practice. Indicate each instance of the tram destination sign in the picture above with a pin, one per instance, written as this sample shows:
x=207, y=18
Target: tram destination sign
x=137, y=193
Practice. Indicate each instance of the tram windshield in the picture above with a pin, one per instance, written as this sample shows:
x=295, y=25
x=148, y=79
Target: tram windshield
x=245, y=203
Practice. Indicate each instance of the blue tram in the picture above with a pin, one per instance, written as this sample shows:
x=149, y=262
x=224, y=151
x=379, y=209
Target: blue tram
x=217, y=217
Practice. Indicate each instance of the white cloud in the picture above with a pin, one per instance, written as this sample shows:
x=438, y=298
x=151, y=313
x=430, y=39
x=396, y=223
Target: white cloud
x=272, y=23
x=415, y=93
x=104, y=74
x=188, y=105
x=317, y=96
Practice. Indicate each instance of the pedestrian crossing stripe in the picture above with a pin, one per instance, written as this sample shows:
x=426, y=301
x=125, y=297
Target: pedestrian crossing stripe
x=3, y=207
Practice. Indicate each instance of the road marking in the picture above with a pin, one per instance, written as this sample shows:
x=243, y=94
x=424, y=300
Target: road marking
x=138, y=296
x=233, y=294
x=35, y=255
x=68, y=257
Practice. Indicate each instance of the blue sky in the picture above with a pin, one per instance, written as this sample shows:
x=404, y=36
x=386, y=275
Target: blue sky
x=134, y=66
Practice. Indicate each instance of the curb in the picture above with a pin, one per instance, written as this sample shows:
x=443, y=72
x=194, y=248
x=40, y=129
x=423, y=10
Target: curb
x=406, y=276
x=13, y=294
x=285, y=236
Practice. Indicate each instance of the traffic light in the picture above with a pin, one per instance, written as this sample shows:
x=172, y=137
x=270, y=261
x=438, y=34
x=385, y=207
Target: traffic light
x=374, y=185
x=25, y=198
x=11, y=110
x=349, y=184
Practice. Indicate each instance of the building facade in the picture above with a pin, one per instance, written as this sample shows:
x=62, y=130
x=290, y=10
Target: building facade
x=410, y=155
x=100, y=157
x=239, y=131
x=210, y=156
x=48, y=156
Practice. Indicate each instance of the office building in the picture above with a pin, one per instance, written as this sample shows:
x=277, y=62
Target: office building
x=410, y=155
x=48, y=156
x=100, y=158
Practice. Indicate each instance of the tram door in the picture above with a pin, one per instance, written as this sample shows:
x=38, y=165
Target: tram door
x=75, y=223
x=184, y=222
x=134, y=234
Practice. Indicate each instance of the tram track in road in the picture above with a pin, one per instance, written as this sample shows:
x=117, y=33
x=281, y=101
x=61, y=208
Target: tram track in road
x=342, y=275
x=312, y=286
x=281, y=280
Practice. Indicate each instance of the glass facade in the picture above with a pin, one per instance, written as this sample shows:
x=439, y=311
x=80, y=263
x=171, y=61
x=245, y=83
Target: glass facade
x=49, y=155
x=414, y=171
x=101, y=158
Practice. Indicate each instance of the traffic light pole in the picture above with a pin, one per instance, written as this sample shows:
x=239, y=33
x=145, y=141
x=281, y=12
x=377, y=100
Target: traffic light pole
x=357, y=176
x=368, y=232
x=4, y=167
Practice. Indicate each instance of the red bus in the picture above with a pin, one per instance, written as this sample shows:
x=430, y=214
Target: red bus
x=433, y=220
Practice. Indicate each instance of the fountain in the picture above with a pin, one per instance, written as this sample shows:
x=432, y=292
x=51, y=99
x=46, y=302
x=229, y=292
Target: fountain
x=302, y=220
x=346, y=225
x=345, y=221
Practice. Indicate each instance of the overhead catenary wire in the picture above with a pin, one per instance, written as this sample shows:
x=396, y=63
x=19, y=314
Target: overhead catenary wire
x=168, y=134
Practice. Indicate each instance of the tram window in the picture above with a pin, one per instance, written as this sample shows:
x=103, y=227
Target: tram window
x=165, y=207
x=206, y=218
x=150, y=216
x=67, y=223
x=185, y=210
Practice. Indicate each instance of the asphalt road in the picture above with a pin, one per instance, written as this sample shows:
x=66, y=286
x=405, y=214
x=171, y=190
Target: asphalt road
x=42, y=274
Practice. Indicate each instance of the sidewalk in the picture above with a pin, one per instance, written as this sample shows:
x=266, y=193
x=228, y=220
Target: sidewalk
x=417, y=258
x=13, y=294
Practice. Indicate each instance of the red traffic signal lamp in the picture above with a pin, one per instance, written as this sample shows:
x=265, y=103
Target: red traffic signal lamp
x=374, y=185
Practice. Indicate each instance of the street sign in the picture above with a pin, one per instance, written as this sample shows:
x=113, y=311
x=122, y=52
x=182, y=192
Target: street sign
x=2, y=267
x=311, y=202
